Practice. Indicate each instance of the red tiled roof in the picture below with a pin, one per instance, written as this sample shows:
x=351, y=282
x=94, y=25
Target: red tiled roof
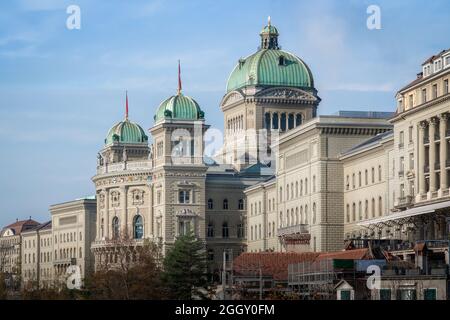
x=274, y=264
x=355, y=254
x=19, y=226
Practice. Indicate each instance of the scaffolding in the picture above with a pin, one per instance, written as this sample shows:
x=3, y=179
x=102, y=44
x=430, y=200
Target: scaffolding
x=313, y=280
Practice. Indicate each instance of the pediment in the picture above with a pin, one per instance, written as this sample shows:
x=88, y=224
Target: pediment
x=232, y=97
x=286, y=94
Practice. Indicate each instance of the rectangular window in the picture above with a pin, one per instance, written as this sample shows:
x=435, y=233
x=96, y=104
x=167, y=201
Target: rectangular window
x=183, y=196
x=410, y=134
x=401, y=139
x=424, y=95
x=411, y=101
x=402, y=166
x=411, y=161
x=447, y=61
x=435, y=91
x=345, y=295
x=158, y=197
x=429, y=294
x=446, y=86
x=385, y=294
x=406, y=294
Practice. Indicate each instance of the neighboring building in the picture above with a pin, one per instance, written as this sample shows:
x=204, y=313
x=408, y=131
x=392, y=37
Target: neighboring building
x=73, y=231
x=420, y=162
x=368, y=184
x=37, y=267
x=10, y=246
x=306, y=211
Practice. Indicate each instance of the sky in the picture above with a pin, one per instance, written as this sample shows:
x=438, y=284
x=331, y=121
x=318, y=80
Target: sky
x=61, y=90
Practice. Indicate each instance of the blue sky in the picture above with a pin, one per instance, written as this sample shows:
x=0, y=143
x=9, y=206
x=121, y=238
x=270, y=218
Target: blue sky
x=61, y=90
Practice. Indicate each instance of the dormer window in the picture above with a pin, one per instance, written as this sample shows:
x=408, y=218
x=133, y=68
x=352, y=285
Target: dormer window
x=282, y=61
x=447, y=61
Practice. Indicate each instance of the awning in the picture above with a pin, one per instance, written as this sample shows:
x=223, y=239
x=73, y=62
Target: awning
x=406, y=213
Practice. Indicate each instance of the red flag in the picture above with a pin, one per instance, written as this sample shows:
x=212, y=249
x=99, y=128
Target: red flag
x=179, y=77
x=126, y=106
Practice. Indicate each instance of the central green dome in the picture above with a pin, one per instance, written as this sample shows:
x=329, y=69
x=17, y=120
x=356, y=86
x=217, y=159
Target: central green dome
x=270, y=66
x=179, y=107
x=126, y=132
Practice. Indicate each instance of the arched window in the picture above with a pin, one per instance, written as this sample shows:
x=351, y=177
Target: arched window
x=281, y=61
x=251, y=232
x=225, y=231
x=267, y=120
x=306, y=214
x=348, y=213
x=281, y=219
x=296, y=216
x=380, y=207
x=138, y=227
x=301, y=215
x=290, y=121
x=210, y=231
x=287, y=192
x=225, y=204
x=379, y=173
x=366, y=210
x=240, y=204
x=115, y=228
x=296, y=189
x=298, y=119
x=275, y=121
x=281, y=194
x=210, y=204
x=287, y=219
x=353, y=211
x=314, y=213
x=306, y=186
x=373, y=208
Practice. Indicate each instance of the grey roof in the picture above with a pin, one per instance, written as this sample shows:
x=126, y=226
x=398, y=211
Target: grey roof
x=369, y=142
x=365, y=114
x=42, y=226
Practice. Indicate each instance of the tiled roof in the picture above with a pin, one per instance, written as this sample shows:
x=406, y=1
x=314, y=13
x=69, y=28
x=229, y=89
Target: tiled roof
x=273, y=264
x=23, y=225
x=355, y=254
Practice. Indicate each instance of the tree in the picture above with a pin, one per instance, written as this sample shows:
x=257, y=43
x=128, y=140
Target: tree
x=3, y=290
x=128, y=272
x=185, y=268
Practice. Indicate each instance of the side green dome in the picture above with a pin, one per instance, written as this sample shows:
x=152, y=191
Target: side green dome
x=126, y=132
x=179, y=107
x=271, y=67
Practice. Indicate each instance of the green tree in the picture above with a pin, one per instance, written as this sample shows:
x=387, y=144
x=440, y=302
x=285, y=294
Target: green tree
x=185, y=268
x=3, y=289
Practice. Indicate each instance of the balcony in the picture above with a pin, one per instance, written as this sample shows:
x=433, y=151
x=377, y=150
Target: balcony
x=297, y=229
x=122, y=166
x=65, y=261
x=405, y=201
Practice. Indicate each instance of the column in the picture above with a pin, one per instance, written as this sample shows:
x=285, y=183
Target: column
x=124, y=211
x=443, y=150
x=432, y=154
x=421, y=154
x=106, y=227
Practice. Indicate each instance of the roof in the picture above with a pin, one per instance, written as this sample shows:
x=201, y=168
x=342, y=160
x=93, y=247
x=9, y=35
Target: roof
x=23, y=225
x=264, y=68
x=273, y=264
x=126, y=132
x=179, y=107
x=369, y=142
x=43, y=226
x=355, y=254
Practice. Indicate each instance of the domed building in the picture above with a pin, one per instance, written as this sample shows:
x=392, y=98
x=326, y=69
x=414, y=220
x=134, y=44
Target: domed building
x=270, y=89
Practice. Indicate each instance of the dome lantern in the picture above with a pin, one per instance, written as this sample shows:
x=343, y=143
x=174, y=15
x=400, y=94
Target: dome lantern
x=269, y=36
